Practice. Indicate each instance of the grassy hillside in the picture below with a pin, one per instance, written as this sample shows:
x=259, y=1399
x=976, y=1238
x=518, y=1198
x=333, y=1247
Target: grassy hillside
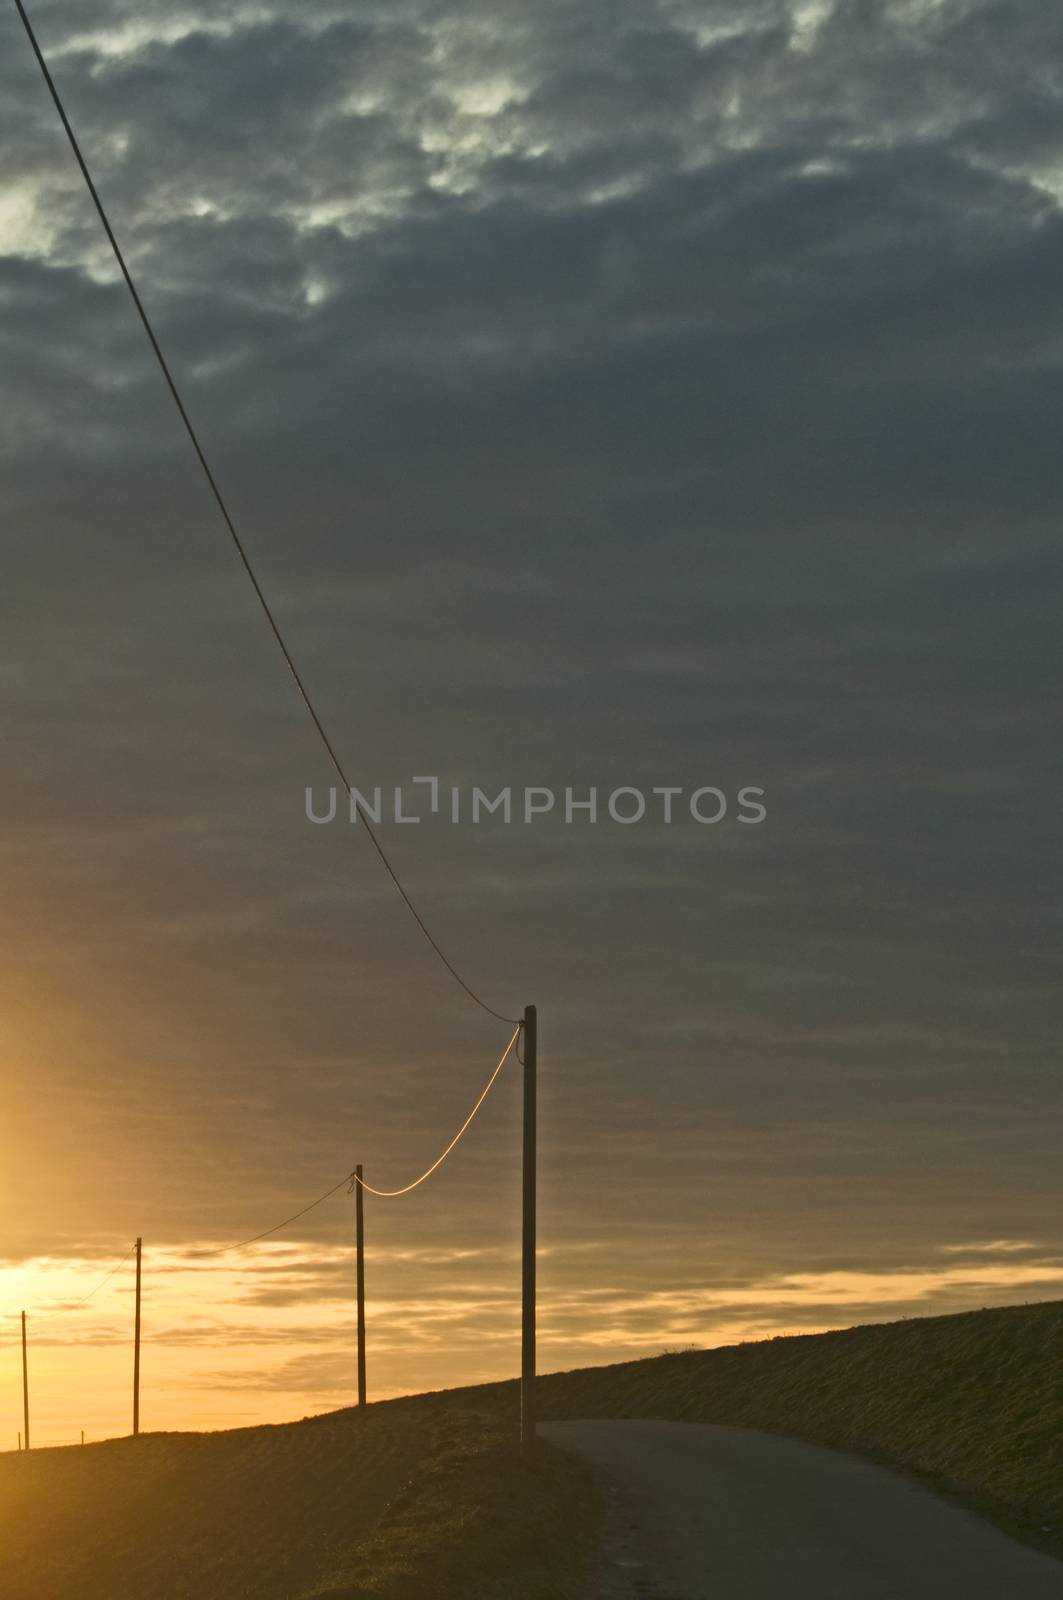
x=405, y=1501
x=425, y=1497
x=974, y=1402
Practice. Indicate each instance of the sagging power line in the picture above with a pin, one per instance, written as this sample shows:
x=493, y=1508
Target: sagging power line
x=230, y=525
x=393, y=1194
x=68, y=1310
x=354, y=1179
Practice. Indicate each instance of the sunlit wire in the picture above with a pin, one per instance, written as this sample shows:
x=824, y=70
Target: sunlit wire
x=391, y=1194
x=352, y=1178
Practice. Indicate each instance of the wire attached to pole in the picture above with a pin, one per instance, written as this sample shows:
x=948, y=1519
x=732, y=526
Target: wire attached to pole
x=392, y=1194
x=243, y=1243
x=229, y=523
x=352, y=1179
x=51, y=1316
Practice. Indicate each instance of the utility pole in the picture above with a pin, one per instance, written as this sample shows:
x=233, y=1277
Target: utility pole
x=136, y=1352
x=527, y=1336
x=359, y=1235
x=25, y=1388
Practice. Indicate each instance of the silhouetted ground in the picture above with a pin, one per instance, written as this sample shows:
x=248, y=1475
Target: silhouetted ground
x=414, y=1501
x=425, y=1499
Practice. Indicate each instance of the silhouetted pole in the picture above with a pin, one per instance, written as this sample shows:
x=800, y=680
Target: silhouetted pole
x=359, y=1235
x=136, y=1353
x=25, y=1388
x=527, y=1339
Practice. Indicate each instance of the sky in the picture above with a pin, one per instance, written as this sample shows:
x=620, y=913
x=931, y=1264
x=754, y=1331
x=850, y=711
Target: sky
x=618, y=396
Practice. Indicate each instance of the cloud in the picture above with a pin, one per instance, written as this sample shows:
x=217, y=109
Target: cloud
x=991, y=1247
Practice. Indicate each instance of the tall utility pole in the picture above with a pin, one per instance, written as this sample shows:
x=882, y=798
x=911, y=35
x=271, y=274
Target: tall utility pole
x=527, y=1336
x=136, y=1352
x=359, y=1235
x=25, y=1388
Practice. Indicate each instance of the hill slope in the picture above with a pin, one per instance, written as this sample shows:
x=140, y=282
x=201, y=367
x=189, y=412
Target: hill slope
x=974, y=1402
x=406, y=1500
x=425, y=1495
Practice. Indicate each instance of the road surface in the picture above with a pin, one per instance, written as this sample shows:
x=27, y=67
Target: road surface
x=700, y=1512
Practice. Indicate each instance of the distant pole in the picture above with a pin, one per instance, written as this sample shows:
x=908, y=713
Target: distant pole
x=527, y=1341
x=25, y=1388
x=359, y=1235
x=136, y=1352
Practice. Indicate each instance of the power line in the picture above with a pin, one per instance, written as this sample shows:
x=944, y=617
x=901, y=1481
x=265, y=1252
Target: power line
x=231, y=526
x=347, y=1182
x=391, y=1194
x=50, y=1316
x=243, y=1243
x=352, y=1178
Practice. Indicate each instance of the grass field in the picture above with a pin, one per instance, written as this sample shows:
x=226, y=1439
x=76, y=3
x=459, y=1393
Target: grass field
x=411, y=1500
x=425, y=1498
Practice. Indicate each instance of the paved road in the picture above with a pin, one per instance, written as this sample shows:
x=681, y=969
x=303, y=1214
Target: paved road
x=707, y=1513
